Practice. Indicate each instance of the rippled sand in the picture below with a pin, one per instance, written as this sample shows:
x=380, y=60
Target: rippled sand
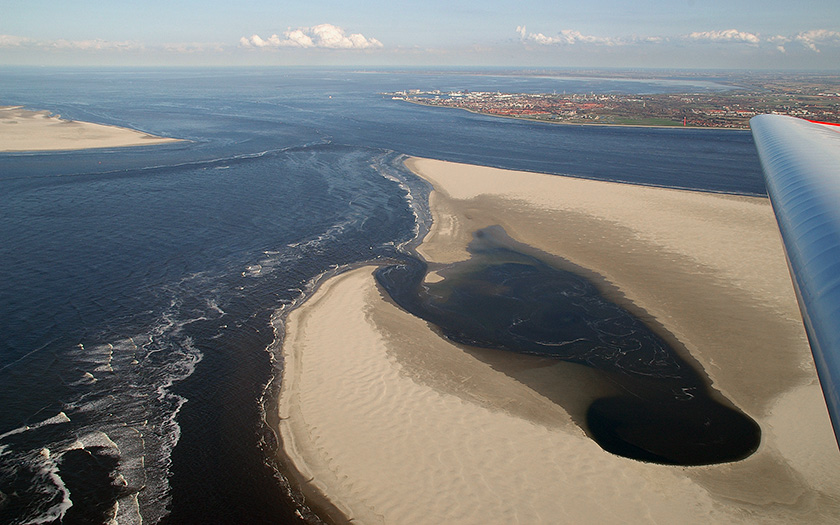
x=387, y=422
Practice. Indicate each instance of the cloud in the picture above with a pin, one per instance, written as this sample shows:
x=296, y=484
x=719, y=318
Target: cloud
x=814, y=39
x=189, y=48
x=572, y=37
x=14, y=41
x=323, y=36
x=780, y=42
x=564, y=37
x=729, y=35
x=94, y=45
x=296, y=38
x=97, y=44
x=810, y=39
x=256, y=41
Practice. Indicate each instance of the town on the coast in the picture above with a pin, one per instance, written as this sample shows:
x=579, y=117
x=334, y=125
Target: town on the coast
x=804, y=97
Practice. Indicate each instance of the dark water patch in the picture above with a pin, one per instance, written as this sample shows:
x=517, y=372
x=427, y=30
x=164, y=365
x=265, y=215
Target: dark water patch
x=505, y=297
x=221, y=416
x=87, y=473
x=697, y=431
x=139, y=306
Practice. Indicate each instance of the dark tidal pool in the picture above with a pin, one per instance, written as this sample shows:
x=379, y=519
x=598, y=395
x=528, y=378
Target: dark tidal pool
x=510, y=297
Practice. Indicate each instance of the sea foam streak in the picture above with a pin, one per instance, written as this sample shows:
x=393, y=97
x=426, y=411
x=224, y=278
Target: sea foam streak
x=415, y=192
x=124, y=410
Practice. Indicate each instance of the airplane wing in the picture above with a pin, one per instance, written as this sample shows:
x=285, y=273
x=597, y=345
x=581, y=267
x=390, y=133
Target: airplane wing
x=801, y=163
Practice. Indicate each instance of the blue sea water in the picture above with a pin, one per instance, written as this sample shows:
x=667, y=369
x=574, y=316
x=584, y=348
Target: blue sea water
x=137, y=285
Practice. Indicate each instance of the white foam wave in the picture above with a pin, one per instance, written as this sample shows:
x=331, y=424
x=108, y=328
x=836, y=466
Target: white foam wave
x=47, y=468
x=61, y=417
x=86, y=378
x=275, y=259
x=127, y=411
x=97, y=439
x=331, y=233
x=253, y=270
x=418, y=207
x=51, y=498
x=214, y=306
x=127, y=511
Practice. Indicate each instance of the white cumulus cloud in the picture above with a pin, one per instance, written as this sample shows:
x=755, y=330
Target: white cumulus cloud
x=323, y=36
x=810, y=39
x=564, y=37
x=728, y=35
x=296, y=38
x=780, y=42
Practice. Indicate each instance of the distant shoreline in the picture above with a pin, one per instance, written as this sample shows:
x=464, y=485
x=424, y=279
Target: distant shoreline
x=23, y=130
x=568, y=123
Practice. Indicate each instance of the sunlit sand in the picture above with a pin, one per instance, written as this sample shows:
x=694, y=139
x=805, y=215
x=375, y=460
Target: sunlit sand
x=23, y=130
x=385, y=421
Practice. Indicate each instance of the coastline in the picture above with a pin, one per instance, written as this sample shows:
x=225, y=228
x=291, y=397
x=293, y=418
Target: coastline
x=23, y=130
x=391, y=423
x=567, y=123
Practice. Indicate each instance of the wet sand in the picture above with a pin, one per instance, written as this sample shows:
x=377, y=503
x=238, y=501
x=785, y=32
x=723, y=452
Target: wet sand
x=23, y=130
x=391, y=423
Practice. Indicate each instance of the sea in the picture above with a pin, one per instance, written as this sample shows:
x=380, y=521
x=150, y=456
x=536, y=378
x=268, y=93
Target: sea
x=142, y=290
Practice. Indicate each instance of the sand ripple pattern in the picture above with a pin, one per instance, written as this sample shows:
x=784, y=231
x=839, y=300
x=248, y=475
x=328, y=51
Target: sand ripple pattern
x=389, y=449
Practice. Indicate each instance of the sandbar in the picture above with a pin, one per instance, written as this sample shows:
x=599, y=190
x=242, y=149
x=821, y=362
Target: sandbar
x=23, y=130
x=385, y=421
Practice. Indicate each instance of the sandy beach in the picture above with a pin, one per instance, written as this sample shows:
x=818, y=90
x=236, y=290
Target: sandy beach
x=386, y=421
x=23, y=130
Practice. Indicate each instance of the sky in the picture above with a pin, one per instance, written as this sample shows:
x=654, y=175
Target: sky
x=727, y=34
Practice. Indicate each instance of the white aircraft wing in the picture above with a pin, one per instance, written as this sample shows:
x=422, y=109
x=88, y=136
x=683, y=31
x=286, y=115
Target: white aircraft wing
x=801, y=163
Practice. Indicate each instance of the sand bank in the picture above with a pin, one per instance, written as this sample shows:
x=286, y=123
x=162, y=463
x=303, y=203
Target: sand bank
x=23, y=130
x=394, y=424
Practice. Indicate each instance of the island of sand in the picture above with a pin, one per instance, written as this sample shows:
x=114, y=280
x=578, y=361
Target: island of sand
x=24, y=130
x=385, y=421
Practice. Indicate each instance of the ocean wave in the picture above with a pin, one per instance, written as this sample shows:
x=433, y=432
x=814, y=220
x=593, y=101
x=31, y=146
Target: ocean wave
x=61, y=417
x=47, y=467
x=124, y=409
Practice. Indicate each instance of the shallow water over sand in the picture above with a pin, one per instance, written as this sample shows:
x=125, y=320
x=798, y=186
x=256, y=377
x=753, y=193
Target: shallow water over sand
x=662, y=409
